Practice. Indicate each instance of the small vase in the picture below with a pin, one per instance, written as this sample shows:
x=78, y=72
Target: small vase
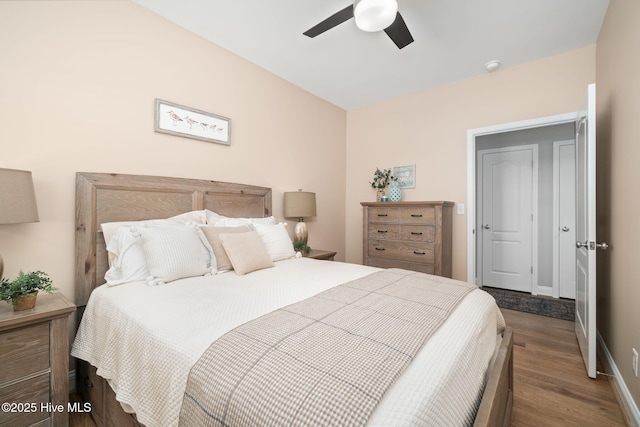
x=25, y=302
x=395, y=194
x=379, y=194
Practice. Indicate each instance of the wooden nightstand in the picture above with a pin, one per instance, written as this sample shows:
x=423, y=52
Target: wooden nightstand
x=34, y=362
x=321, y=254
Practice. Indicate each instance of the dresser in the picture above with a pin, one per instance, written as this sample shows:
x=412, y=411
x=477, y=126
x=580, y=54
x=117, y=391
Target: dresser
x=34, y=363
x=410, y=235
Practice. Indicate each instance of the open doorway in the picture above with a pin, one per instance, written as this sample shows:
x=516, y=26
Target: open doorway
x=514, y=221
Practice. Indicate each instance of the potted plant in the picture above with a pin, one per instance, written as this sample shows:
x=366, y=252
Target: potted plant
x=300, y=246
x=381, y=180
x=23, y=290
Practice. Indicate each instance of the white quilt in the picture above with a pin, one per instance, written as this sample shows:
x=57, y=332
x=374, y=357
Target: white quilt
x=144, y=339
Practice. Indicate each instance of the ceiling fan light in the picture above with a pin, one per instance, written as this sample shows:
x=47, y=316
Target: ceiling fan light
x=374, y=15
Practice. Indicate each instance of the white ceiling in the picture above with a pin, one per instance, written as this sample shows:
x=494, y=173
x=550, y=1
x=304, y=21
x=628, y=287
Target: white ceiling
x=351, y=68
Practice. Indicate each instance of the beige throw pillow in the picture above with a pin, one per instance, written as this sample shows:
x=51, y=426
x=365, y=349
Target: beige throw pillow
x=213, y=236
x=246, y=252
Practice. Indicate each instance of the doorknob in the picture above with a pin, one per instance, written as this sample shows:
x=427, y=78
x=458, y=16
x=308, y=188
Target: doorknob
x=487, y=226
x=592, y=245
x=565, y=228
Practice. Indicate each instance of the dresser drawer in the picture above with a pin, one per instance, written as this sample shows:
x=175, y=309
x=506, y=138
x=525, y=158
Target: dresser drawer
x=33, y=391
x=392, y=263
x=384, y=215
x=403, y=251
x=413, y=233
x=384, y=231
x=417, y=233
x=417, y=215
x=24, y=351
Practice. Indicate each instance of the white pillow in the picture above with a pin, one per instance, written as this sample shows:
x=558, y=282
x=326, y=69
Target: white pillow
x=126, y=258
x=212, y=217
x=174, y=253
x=276, y=239
x=197, y=217
x=127, y=261
x=109, y=229
x=237, y=222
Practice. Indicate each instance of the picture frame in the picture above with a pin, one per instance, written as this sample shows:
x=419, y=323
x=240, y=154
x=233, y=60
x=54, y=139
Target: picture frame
x=405, y=175
x=179, y=120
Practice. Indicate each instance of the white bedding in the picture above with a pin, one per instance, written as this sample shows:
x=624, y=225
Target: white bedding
x=144, y=339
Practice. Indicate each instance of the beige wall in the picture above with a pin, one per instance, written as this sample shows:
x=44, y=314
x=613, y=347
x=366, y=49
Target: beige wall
x=77, y=88
x=429, y=129
x=618, y=109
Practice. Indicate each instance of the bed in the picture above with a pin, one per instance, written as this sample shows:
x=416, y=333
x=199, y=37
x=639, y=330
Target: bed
x=129, y=384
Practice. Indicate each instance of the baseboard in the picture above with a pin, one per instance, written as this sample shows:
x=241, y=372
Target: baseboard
x=619, y=387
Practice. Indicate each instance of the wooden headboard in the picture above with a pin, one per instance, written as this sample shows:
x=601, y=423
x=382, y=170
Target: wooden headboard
x=102, y=197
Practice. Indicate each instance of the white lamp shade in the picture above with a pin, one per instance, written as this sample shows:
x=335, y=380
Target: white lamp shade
x=299, y=204
x=374, y=15
x=17, y=197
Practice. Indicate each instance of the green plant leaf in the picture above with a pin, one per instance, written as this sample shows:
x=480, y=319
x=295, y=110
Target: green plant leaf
x=25, y=284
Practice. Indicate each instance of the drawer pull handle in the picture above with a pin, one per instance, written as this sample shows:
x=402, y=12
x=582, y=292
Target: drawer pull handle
x=383, y=214
x=419, y=253
x=382, y=231
x=379, y=249
x=416, y=215
x=87, y=382
x=417, y=233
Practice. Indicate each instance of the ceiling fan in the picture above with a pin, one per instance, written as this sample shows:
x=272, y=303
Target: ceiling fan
x=370, y=15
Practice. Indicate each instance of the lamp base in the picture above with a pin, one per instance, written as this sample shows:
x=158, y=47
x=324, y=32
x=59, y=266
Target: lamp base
x=300, y=233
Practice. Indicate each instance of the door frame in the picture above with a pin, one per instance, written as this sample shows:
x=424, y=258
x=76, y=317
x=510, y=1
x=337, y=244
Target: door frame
x=472, y=134
x=534, y=206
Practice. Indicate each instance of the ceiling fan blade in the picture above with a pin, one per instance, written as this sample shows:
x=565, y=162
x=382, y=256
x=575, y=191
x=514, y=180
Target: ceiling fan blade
x=399, y=33
x=335, y=19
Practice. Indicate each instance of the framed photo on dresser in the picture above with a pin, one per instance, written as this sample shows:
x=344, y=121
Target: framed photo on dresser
x=405, y=175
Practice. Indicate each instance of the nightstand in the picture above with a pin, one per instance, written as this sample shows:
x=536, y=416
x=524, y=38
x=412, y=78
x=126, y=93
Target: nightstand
x=321, y=254
x=34, y=361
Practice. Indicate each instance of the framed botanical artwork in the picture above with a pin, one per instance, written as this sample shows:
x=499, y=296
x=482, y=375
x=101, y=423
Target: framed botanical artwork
x=405, y=175
x=179, y=120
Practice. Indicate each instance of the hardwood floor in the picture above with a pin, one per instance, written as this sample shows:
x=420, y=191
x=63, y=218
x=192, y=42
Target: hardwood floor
x=79, y=419
x=551, y=387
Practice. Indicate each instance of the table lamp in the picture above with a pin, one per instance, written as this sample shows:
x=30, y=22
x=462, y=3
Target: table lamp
x=17, y=200
x=300, y=204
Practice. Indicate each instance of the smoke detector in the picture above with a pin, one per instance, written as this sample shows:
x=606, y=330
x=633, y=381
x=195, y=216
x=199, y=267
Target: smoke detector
x=493, y=65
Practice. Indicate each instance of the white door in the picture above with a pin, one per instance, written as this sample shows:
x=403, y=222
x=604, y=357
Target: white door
x=506, y=220
x=586, y=232
x=564, y=175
